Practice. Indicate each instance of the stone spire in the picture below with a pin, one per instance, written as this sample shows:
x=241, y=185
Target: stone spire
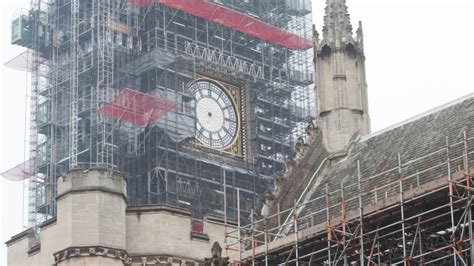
x=341, y=87
x=337, y=23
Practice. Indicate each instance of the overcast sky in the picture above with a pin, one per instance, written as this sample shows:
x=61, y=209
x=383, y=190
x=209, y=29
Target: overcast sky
x=419, y=56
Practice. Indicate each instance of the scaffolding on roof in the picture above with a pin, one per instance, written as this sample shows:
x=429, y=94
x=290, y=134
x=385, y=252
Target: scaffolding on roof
x=421, y=216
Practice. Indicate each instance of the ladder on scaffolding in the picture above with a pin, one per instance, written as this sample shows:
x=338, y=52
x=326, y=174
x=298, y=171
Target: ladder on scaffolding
x=74, y=86
x=105, y=10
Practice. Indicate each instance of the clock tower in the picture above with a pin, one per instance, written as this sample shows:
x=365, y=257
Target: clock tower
x=197, y=103
x=341, y=87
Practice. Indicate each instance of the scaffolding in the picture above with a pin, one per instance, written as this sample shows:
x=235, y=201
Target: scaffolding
x=421, y=215
x=110, y=90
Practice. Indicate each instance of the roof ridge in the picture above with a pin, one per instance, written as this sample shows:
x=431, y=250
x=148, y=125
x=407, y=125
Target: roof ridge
x=419, y=116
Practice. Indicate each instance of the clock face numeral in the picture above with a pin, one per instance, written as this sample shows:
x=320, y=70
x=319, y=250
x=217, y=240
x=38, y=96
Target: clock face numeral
x=216, y=115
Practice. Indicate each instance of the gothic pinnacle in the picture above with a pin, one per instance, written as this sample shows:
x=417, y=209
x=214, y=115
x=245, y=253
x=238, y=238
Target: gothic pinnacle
x=337, y=23
x=360, y=34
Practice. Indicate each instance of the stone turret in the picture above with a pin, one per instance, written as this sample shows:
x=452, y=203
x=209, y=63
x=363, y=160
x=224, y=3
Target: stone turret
x=341, y=88
x=91, y=217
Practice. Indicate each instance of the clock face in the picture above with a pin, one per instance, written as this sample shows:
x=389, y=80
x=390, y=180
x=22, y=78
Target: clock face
x=217, y=123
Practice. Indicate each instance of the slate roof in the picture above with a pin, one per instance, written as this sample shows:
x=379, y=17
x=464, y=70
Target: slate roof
x=423, y=137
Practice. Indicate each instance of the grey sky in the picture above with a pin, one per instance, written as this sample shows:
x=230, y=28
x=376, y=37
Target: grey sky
x=419, y=55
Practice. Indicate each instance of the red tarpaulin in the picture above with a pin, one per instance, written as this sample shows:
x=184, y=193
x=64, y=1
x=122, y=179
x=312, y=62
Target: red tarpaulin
x=235, y=20
x=136, y=107
x=140, y=3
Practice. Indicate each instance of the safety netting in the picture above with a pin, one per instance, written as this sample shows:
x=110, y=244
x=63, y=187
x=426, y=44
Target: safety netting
x=20, y=172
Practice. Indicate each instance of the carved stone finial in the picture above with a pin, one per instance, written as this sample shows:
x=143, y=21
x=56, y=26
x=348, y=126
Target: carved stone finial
x=216, y=250
x=267, y=200
x=315, y=34
x=216, y=259
x=360, y=35
x=360, y=32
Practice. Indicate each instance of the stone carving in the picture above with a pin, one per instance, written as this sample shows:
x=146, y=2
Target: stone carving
x=267, y=200
x=216, y=259
x=302, y=147
x=337, y=23
x=92, y=251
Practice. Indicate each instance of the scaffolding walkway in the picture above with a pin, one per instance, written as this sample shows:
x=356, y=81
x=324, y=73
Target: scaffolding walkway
x=413, y=220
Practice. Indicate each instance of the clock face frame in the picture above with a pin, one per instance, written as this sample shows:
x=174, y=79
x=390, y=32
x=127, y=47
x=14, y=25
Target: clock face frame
x=217, y=120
